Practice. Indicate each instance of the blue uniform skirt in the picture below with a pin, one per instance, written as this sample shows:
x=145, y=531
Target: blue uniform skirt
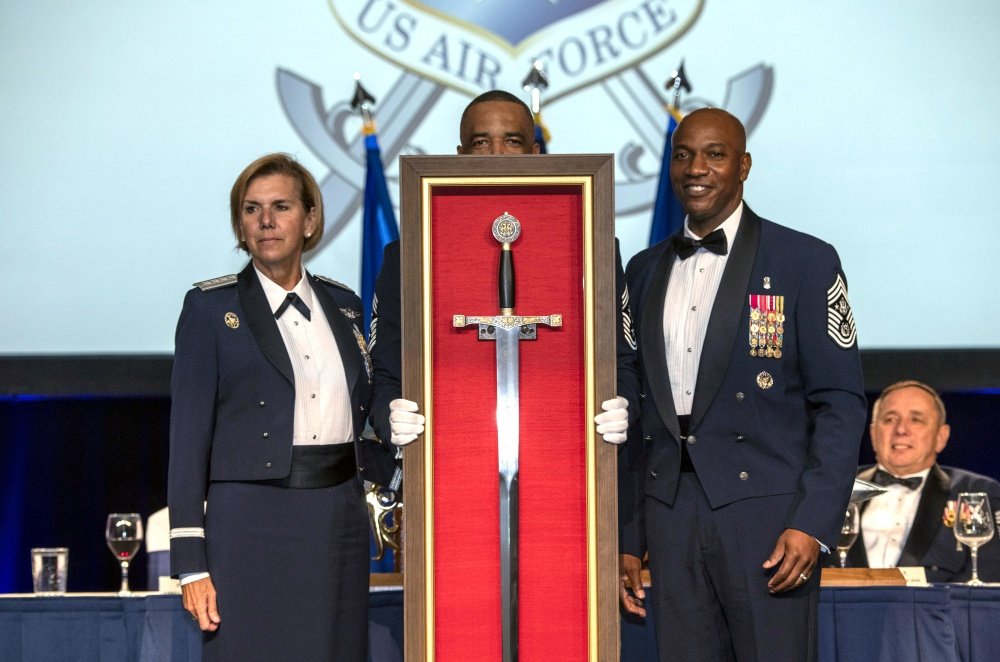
x=290, y=567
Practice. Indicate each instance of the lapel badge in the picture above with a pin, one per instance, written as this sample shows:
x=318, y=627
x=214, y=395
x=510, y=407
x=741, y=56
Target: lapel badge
x=364, y=351
x=349, y=313
x=767, y=282
x=948, y=516
x=765, y=380
x=232, y=321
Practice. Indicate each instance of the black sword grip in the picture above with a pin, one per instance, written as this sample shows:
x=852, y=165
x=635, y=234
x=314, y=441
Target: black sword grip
x=506, y=278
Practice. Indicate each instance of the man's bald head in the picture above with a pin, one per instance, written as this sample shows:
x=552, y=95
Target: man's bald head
x=721, y=118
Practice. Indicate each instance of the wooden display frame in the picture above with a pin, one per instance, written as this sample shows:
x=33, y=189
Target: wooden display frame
x=422, y=178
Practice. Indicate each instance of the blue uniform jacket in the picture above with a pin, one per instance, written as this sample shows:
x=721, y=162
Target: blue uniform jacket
x=233, y=398
x=759, y=426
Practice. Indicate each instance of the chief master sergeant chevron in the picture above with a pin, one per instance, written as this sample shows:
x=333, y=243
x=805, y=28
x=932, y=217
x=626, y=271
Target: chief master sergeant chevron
x=751, y=419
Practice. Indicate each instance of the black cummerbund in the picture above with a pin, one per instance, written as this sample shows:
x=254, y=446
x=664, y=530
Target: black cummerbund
x=318, y=466
x=685, y=422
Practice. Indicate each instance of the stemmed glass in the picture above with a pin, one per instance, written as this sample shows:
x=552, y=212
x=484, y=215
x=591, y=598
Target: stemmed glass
x=848, y=532
x=973, y=526
x=124, y=535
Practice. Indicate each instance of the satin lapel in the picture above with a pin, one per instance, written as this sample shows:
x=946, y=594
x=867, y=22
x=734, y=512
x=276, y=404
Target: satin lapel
x=727, y=312
x=927, y=518
x=857, y=556
x=866, y=476
x=261, y=321
x=651, y=341
x=341, y=325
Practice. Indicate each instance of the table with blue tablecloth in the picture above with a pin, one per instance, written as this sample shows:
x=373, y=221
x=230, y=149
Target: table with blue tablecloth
x=946, y=623
x=144, y=628
x=943, y=623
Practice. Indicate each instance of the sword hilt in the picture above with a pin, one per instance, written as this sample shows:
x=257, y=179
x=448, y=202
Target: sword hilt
x=506, y=230
x=505, y=278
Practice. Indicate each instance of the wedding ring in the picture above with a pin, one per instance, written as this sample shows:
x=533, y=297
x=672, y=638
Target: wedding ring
x=804, y=577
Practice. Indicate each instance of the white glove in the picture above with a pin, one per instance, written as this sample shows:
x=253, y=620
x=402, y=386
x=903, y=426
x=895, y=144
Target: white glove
x=404, y=421
x=613, y=423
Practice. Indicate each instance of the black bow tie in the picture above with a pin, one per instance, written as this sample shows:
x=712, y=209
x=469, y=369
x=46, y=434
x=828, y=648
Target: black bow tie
x=715, y=242
x=294, y=300
x=885, y=479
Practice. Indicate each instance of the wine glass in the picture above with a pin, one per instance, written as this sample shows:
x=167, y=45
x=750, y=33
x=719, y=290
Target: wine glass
x=124, y=535
x=848, y=532
x=973, y=526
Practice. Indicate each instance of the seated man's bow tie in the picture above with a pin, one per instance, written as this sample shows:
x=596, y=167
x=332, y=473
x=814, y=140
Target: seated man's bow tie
x=885, y=479
x=294, y=300
x=715, y=242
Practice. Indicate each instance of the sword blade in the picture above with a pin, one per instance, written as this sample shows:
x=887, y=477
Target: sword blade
x=508, y=568
x=508, y=421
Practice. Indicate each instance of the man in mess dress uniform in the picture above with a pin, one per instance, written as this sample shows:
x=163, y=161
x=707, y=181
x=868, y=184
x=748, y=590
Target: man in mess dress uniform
x=752, y=411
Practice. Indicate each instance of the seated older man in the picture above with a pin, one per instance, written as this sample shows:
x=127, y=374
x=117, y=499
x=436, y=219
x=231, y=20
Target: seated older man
x=910, y=524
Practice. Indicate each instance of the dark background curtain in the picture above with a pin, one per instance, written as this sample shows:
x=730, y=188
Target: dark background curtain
x=64, y=465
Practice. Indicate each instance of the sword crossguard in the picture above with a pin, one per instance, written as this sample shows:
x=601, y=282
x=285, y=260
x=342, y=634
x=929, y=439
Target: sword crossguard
x=507, y=321
x=527, y=325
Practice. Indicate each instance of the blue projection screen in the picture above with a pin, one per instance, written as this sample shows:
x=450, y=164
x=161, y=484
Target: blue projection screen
x=125, y=124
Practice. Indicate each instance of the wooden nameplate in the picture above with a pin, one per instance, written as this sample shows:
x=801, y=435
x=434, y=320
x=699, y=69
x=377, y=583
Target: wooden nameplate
x=862, y=577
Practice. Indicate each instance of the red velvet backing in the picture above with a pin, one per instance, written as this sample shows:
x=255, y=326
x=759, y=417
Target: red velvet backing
x=548, y=262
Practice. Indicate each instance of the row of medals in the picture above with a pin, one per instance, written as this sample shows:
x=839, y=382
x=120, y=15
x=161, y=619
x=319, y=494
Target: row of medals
x=767, y=325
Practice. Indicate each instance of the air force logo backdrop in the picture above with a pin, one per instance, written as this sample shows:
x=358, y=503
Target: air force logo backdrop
x=472, y=46
x=476, y=46
x=512, y=25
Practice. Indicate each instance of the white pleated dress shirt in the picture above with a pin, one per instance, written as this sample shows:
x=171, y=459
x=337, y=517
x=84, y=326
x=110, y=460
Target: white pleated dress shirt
x=694, y=282
x=322, y=399
x=887, y=521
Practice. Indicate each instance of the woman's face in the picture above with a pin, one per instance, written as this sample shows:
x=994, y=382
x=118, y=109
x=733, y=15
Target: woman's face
x=274, y=222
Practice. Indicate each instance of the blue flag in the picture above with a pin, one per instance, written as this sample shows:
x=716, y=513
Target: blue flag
x=668, y=216
x=379, y=227
x=541, y=134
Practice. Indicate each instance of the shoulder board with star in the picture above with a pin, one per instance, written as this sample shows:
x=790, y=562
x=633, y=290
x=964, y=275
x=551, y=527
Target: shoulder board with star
x=335, y=283
x=216, y=283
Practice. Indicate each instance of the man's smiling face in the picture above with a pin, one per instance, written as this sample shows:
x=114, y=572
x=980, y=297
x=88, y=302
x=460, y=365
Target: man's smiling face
x=708, y=165
x=907, y=431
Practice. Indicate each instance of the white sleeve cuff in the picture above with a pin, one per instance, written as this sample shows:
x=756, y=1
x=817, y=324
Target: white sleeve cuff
x=187, y=532
x=188, y=577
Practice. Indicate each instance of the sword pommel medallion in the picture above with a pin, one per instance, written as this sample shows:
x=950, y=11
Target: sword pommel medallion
x=506, y=228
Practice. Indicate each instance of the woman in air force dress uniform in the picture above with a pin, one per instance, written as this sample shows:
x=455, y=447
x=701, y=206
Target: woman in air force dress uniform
x=270, y=391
